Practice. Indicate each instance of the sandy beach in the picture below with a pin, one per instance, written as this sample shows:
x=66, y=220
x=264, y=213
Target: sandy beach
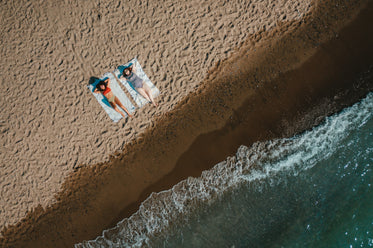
x=229, y=73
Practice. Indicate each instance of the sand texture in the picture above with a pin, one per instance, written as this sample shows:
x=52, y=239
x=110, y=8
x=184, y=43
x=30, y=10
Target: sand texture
x=229, y=73
x=50, y=123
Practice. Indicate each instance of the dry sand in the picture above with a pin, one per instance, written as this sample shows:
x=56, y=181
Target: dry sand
x=50, y=122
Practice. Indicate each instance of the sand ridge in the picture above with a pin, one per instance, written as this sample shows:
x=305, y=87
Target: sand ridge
x=49, y=121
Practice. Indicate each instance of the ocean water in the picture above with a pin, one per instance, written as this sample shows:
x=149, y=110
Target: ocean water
x=311, y=190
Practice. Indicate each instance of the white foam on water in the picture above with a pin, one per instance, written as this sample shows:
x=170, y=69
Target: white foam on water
x=265, y=160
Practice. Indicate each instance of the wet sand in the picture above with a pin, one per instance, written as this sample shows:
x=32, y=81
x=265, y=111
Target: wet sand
x=294, y=102
x=277, y=84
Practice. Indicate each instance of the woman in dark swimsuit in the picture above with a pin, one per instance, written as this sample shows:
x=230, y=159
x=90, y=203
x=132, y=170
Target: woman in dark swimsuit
x=139, y=84
x=103, y=87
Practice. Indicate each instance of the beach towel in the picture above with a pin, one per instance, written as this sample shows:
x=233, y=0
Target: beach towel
x=118, y=92
x=140, y=100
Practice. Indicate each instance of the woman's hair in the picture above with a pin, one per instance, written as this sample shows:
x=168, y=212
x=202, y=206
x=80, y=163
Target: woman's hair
x=127, y=68
x=98, y=86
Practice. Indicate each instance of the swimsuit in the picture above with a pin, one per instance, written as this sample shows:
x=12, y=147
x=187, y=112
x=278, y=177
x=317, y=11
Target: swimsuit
x=111, y=99
x=106, y=91
x=134, y=80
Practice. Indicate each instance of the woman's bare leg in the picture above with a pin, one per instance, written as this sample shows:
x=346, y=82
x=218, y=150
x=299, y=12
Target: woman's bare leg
x=149, y=93
x=117, y=101
x=143, y=93
x=146, y=93
x=116, y=109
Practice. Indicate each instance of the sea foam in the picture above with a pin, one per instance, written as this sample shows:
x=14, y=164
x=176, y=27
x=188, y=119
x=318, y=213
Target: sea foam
x=263, y=162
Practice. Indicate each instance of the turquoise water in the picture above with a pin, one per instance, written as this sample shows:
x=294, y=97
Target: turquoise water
x=311, y=190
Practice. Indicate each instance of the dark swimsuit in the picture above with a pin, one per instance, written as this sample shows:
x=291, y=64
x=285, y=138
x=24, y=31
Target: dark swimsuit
x=134, y=80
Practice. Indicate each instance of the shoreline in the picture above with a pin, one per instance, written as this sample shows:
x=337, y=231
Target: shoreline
x=210, y=148
x=93, y=191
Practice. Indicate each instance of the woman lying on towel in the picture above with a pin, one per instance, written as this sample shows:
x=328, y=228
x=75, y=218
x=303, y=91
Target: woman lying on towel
x=139, y=84
x=103, y=87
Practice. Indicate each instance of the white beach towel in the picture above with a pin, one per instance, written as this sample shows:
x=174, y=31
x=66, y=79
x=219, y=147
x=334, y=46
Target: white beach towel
x=140, y=101
x=118, y=92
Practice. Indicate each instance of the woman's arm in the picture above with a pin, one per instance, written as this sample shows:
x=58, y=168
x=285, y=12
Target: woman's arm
x=96, y=91
x=108, y=82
